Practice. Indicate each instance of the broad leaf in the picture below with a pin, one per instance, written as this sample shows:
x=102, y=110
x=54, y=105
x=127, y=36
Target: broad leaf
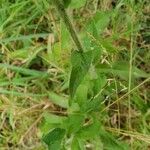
x=80, y=67
x=54, y=138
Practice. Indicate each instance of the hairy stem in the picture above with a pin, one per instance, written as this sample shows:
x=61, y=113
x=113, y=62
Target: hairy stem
x=60, y=7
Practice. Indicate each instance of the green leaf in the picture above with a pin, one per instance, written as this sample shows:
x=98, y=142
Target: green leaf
x=24, y=70
x=100, y=21
x=121, y=69
x=77, y=3
x=53, y=119
x=81, y=95
x=139, y=103
x=58, y=100
x=80, y=67
x=74, y=123
x=54, y=138
x=94, y=46
x=109, y=142
x=92, y=105
x=89, y=131
x=77, y=144
x=66, y=3
x=99, y=83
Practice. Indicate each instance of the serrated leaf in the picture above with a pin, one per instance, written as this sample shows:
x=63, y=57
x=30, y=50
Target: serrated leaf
x=53, y=138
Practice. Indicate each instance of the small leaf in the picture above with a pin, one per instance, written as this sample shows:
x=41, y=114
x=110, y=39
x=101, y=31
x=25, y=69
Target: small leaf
x=53, y=138
x=81, y=95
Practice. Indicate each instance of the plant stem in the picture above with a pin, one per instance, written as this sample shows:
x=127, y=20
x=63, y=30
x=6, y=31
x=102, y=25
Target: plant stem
x=60, y=7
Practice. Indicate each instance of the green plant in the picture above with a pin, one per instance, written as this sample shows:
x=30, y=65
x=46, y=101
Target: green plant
x=83, y=124
x=88, y=93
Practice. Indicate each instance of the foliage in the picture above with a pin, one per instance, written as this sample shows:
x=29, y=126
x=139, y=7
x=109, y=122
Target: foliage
x=55, y=96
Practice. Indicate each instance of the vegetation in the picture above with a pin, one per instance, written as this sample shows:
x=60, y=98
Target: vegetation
x=74, y=74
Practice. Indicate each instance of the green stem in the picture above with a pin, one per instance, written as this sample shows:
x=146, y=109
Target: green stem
x=60, y=7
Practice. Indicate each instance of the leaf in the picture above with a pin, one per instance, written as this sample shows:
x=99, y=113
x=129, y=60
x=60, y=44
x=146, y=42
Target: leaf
x=54, y=138
x=99, y=83
x=90, y=43
x=74, y=123
x=24, y=70
x=65, y=36
x=53, y=119
x=80, y=67
x=92, y=105
x=139, y=103
x=24, y=37
x=94, y=46
x=100, y=21
x=77, y=3
x=121, y=69
x=109, y=142
x=81, y=95
x=66, y=3
x=58, y=100
x=89, y=131
x=16, y=93
x=77, y=144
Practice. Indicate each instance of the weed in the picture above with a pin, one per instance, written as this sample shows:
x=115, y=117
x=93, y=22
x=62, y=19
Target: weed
x=74, y=74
